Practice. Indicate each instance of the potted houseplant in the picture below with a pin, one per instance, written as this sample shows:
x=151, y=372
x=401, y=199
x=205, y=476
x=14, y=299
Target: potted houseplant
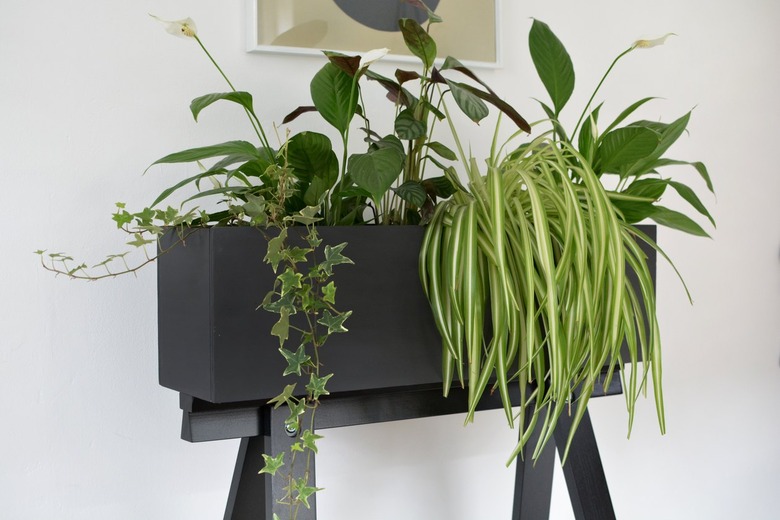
x=523, y=260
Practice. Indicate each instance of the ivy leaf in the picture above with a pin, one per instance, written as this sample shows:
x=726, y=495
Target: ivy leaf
x=334, y=323
x=273, y=254
x=290, y=280
x=285, y=397
x=272, y=464
x=296, y=410
x=281, y=328
x=295, y=360
x=334, y=257
x=329, y=293
x=309, y=439
x=304, y=492
x=316, y=386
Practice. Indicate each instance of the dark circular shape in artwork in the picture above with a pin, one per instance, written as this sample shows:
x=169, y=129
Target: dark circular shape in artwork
x=383, y=15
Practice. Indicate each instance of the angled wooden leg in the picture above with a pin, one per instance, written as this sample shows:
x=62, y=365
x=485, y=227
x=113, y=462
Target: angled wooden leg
x=584, y=473
x=533, y=481
x=254, y=496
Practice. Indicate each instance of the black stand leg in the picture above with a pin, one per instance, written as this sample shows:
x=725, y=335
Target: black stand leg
x=584, y=473
x=533, y=481
x=247, y=491
x=251, y=494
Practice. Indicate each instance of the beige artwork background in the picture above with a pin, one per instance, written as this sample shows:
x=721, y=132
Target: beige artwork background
x=468, y=32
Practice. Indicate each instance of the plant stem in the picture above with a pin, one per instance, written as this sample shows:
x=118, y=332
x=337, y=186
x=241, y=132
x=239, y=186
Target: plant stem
x=604, y=77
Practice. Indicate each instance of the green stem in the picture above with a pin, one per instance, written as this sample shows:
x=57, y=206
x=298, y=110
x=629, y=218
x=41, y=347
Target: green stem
x=604, y=77
x=253, y=120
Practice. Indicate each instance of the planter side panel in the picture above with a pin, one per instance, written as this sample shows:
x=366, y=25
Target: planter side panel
x=183, y=301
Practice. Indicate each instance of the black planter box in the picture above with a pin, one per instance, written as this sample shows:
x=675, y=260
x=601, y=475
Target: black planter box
x=214, y=344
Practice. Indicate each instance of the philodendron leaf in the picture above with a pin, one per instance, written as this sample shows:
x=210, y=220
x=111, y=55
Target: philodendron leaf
x=311, y=156
x=469, y=103
x=376, y=170
x=553, y=64
x=412, y=192
x=623, y=147
x=407, y=127
x=244, y=150
x=676, y=220
x=242, y=98
x=418, y=41
x=335, y=96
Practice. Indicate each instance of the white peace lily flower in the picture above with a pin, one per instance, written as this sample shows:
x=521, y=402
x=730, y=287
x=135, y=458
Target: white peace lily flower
x=646, y=44
x=182, y=28
x=372, y=56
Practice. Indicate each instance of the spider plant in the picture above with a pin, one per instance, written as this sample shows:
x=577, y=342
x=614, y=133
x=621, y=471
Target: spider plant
x=537, y=249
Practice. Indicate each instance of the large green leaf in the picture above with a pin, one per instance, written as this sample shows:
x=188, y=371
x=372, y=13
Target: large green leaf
x=418, y=41
x=242, y=98
x=335, y=96
x=311, y=156
x=412, y=192
x=376, y=170
x=669, y=134
x=553, y=64
x=691, y=198
x=623, y=147
x=243, y=150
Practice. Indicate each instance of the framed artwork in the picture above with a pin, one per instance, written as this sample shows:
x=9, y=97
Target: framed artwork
x=469, y=32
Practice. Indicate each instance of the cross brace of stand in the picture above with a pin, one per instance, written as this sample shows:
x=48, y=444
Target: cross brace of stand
x=261, y=429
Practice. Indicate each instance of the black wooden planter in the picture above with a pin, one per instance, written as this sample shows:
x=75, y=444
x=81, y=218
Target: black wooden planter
x=214, y=344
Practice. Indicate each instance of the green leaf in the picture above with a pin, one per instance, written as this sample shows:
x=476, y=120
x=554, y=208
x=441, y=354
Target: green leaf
x=315, y=165
x=623, y=147
x=334, y=93
x=634, y=211
x=412, y=192
x=290, y=280
x=649, y=188
x=469, y=103
x=304, y=492
x=281, y=328
x=246, y=151
x=407, y=127
x=441, y=150
x=376, y=170
x=669, y=134
x=329, y=293
x=272, y=464
x=333, y=257
x=691, y=198
x=675, y=220
x=589, y=135
x=553, y=64
x=316, y=386
x=699, y=166
x=273, y=253
x=285, y=397
x=334, y=322
x=242, y=98
x=295, y=360
x=418, y=41
x=441, y=187
x=309, y=439
x=627, y=112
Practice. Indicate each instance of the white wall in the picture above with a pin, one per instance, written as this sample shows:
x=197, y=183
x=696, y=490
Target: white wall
x=92, y=92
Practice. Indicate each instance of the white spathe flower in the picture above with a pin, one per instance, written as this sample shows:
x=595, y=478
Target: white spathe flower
x=372, y=56
x=182, y=28
x=646, y=44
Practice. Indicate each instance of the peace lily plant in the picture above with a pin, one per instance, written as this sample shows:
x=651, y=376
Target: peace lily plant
x=531, y=243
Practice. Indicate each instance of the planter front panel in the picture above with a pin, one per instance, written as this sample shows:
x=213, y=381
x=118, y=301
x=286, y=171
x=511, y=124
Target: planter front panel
x=216, y=345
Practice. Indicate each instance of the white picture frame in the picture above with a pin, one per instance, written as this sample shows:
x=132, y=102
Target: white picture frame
x=470, y=31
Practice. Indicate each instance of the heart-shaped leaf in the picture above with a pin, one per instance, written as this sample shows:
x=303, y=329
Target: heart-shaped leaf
x=376, y=170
